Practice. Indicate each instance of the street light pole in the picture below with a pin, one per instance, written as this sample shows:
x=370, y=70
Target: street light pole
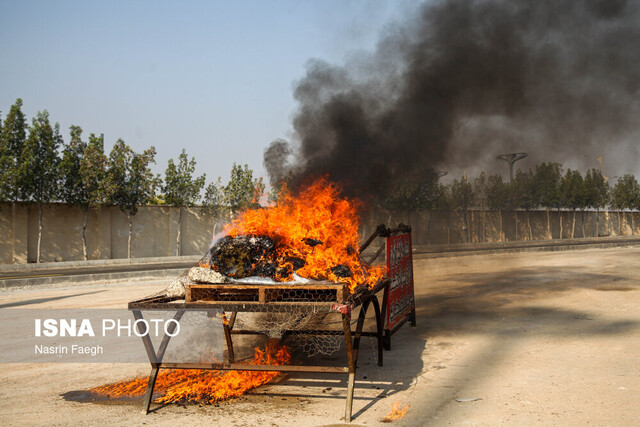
x=511, y=158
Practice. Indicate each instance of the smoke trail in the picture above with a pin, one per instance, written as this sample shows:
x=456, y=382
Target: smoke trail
x=461, y=81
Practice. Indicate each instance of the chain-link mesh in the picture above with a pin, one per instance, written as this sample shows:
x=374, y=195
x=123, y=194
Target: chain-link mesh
x=306, y=314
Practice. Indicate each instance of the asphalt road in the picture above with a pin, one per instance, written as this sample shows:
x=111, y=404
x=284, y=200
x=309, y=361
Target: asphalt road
x=94, y=269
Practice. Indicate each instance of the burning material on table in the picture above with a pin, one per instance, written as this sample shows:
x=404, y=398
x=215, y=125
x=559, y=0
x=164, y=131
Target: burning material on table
x=280, y=272
x=291, y=272
x=312, y=236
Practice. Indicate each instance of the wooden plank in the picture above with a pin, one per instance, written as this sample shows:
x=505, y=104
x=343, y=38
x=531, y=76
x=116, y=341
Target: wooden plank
x=319, y=286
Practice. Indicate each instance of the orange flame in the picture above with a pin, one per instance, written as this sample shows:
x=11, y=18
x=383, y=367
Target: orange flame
x=397, y=412
x=319, y=213
x=194, y=385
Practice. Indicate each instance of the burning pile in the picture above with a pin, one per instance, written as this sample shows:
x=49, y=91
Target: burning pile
x=313, y=235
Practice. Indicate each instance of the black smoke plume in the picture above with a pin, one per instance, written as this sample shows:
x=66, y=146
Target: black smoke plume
x=461, y=81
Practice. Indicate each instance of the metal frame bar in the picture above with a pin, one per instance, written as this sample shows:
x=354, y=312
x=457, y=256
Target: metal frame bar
x=352, y=340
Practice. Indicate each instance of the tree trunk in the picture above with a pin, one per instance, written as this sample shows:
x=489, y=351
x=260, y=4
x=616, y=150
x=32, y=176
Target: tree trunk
x=130, y=218
x=429, y=228
x=582, y=220
x=465, y=217
x=84, y=233
x=448, y=229
x=501, y=235
x=529, y=225
x=597, y=222
x=573, y=225
x=39, y=232
x=633, y=224
x=178, y=248
x=549, y=235
x=484, y=225
x=515, y=213
x=560, y=217
x=619, y=224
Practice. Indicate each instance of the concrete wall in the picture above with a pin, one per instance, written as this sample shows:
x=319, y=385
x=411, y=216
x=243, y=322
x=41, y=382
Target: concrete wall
x=455, y=227
x=154, y=232
x=155, y=229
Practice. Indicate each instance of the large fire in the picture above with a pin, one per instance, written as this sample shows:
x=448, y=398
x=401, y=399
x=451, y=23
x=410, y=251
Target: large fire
x=317, y=214
x=198, y=386
x=316, y=226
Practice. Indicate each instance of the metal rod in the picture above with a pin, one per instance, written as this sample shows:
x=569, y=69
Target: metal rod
x=346, y=323
x=167, y=336
x=232, y=320
x=377, y=254
x=378, y=314
x=358, y=332
x=227, y=336
x=146, y=340
x=381, y=230
x=150, y=386
x=247, y=367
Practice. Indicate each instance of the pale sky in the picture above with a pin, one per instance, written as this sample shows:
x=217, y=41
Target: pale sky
x=213, y=77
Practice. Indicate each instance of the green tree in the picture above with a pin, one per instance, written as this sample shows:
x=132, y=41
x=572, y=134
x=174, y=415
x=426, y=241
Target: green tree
x=93, y=170
x=480, y=195
x=72, y=189
x=129, y=182
x=498, y=198
x=547, y=182
x=525, y=194
x=12, y=139
x=240, y=191
x=38, y=173
x=626, y=195
x=417, y=193
x=462, y=197
x=181, y=188
x=596, y=190
x=213, y=202
x=572, y=193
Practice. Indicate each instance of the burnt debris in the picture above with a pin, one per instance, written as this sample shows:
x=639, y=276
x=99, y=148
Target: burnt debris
x=341, y=271
x=312, y=242
x=243, y=256
x=251, y=255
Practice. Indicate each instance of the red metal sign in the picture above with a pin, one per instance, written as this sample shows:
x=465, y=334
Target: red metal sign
x=400, y=264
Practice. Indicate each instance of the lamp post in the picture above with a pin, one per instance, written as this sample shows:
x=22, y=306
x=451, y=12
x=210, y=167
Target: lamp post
x=511, y=158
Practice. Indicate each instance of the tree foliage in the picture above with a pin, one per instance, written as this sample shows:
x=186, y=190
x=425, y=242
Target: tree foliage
x=626, y=193
x=572, y=190
x=129, y=181
x=462, y=194
x=12, y=139
x=240, y=191
x=181, y=188
x=596, y=190
x=498, y=193
x=548, y=177
x=72, y=189
x=38, y=172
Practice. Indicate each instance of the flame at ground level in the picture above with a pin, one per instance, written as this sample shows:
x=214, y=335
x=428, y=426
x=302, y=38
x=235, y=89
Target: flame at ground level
x=397, y=412
x=200, y=386
x=316, y=214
